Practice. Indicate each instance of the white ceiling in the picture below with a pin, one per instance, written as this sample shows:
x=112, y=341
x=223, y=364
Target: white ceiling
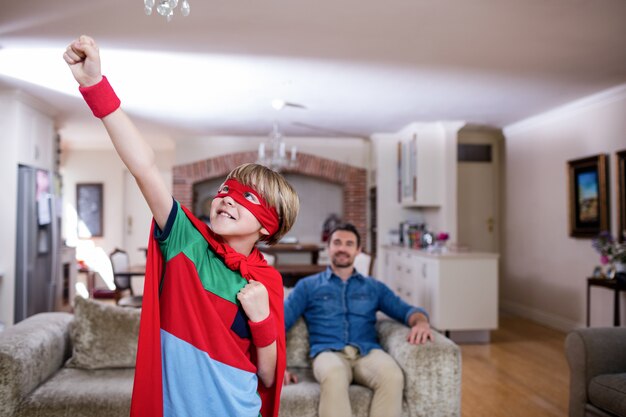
x=358, y=66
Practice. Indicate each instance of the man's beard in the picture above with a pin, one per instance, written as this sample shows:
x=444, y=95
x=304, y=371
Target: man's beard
x=341, y=264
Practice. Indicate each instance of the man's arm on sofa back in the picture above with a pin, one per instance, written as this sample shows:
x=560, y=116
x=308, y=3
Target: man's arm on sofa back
x=30, y=352
x=432, y=371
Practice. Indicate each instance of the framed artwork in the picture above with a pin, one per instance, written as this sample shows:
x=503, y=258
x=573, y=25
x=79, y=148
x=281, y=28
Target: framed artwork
x=621, y=195
x=588, y=196
x=89, y=210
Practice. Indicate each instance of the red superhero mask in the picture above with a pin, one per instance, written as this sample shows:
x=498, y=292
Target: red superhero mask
x=266, y=215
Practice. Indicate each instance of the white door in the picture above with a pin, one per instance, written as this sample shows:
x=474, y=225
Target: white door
x=477, y=185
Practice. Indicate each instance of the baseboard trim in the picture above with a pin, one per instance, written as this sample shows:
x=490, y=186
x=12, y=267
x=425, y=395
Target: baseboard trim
x=541, y=317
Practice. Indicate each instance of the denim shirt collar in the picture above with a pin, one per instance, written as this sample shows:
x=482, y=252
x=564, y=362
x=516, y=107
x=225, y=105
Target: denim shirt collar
x=328, y=274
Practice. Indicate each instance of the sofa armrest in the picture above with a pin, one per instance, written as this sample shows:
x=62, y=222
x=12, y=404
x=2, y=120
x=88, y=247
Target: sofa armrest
x=30, y=352
x=432, y=371
x=591, y=352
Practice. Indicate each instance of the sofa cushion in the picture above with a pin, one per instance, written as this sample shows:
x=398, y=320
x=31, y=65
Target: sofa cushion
x=82, y=393
x=302, y=399
x=103, y=335
x=608, y=392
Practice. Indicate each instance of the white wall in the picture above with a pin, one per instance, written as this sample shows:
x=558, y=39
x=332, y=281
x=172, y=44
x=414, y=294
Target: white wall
x=101, y=166
x=545, y=270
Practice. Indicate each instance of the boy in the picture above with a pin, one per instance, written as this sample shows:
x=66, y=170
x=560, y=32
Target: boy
x=211, y=339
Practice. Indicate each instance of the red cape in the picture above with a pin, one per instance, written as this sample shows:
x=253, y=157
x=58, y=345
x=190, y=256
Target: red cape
x=147, y=400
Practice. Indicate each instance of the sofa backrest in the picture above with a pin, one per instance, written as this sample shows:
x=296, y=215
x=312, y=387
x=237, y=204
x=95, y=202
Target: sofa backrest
x=30, y=352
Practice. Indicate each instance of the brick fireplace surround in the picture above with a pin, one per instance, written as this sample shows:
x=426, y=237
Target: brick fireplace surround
x=352, y=179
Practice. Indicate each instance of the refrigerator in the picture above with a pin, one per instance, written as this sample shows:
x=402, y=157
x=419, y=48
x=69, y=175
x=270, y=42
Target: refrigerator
x=37, y=242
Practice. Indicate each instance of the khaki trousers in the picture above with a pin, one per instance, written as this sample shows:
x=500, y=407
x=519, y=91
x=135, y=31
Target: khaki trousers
x=335, y=370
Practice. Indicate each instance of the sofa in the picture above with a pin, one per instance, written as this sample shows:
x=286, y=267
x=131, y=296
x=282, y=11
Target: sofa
x=64, y=365
x=82, y=365
x=432, y=375
x=597, y=362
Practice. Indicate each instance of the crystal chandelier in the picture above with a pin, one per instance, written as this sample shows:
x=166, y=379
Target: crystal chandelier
x=274, y=154
x=166, y=8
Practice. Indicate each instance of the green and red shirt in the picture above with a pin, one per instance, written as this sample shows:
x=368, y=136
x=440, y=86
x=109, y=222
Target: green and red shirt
x=193, y=322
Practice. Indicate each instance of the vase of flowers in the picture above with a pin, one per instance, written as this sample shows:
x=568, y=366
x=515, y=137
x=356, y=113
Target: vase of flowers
x=440, y=243
x=612, y=253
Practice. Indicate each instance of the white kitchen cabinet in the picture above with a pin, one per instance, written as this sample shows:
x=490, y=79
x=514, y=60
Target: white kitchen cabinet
x=459, y=291
x=422, y=166
x=398, y=274
x=404, y=279
x=35, y=130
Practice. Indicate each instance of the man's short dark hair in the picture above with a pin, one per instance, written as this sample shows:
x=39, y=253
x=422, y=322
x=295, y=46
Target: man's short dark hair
x=346, y=227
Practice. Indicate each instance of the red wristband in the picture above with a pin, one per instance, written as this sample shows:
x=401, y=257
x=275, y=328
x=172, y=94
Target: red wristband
x=263, y=332
x=100, y=98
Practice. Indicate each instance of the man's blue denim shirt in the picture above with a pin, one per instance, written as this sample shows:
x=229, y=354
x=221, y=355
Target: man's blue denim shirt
x=339, y=313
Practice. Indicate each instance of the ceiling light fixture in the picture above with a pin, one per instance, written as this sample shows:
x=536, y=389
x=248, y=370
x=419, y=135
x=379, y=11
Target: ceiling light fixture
x=166, y=8
x=279, y=104
x=274, y=154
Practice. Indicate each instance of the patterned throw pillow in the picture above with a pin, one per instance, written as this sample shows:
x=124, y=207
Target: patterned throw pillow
x=103, y=335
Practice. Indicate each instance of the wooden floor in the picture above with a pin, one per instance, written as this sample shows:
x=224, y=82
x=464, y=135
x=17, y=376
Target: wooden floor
x=521, y=373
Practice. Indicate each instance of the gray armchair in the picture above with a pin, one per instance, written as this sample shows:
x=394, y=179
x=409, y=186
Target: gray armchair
x=597, y=362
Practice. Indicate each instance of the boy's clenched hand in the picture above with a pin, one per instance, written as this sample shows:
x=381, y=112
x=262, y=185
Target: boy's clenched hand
x=83, y=58
x=255, y=301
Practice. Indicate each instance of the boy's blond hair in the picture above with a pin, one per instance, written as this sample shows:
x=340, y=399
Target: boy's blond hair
x=275, y=190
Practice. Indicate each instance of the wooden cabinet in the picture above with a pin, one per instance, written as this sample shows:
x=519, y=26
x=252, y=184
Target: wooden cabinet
x=421, y=161
x=459, y=291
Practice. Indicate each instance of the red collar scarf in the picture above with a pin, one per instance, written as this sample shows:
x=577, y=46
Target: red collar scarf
x=266, y=215
x=148, y=389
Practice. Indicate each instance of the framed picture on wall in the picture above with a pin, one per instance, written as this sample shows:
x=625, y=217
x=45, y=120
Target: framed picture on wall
x=89, y=210
x=621, y=195
x=588, y=196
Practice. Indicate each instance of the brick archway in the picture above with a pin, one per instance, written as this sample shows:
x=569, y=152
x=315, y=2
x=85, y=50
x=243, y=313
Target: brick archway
x=352, y=179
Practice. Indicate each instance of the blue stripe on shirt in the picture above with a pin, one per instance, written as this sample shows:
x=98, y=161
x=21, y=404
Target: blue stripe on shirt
x=194, y=384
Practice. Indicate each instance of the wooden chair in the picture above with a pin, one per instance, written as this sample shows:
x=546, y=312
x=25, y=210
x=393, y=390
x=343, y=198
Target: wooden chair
x=122, y=276
x=100, y=266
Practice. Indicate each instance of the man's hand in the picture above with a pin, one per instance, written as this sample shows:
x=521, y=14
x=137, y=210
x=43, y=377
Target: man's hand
x=83, y=58
x=290, y=378
x=254, y=300
x=420, y=329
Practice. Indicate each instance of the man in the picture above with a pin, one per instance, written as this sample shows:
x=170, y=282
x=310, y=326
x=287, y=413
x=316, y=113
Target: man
x=339, y=307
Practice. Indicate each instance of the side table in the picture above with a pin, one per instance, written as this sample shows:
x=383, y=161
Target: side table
x=612, y=284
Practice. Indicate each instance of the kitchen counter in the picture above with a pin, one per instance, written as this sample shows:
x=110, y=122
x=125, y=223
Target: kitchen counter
x=458, y=289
